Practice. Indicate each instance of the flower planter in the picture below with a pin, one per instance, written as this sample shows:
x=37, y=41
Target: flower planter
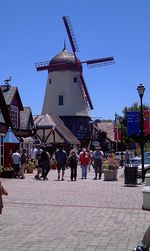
x=110, y=169
x=30, y=169
x=115, y=171
x=7, y=174
x=108, y=175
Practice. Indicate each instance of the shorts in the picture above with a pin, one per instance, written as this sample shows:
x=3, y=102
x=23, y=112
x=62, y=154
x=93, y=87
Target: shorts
x=60, y=167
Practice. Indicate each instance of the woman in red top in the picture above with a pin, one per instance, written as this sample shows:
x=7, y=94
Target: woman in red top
x=85, y=159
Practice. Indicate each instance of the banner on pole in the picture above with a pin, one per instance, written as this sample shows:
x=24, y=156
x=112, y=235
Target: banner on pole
x=117, y=130
x=146, y=114
x=133, y=123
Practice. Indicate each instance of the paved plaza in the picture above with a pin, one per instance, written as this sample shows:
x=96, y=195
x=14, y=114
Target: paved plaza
x=82, y=215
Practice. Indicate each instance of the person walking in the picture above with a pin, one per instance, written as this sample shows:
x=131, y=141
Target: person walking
x=61, y=160
x=3, y=191
x=85, y=159
x=37, y=155
x=127, y=157
x=33, y=153
x=44, y=163
x=16, y=158
x=72, y=162
x=98, y=157
x=23, y=163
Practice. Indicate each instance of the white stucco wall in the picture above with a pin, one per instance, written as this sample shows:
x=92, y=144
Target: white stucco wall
x=62, y=84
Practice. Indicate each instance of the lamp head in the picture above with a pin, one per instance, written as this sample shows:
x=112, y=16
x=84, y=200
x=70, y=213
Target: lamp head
x=141, y=90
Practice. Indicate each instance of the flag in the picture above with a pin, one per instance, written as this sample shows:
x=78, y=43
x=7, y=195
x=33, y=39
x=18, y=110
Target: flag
x=117, y=130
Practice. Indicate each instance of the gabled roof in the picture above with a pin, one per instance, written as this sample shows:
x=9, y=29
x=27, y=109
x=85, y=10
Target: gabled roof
x=107, y=127
x=43, y=121
x=53, y=121
x=9, y=93
x=4, y=110
x=26, y=119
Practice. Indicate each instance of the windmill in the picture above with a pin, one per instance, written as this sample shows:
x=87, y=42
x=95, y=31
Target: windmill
x=66, y=92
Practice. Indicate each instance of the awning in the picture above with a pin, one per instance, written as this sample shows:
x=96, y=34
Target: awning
x=10, y=137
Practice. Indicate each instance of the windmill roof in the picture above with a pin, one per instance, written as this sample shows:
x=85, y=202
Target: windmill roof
x=65, y=58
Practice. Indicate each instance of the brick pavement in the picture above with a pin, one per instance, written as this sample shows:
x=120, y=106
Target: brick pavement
x=86, y=215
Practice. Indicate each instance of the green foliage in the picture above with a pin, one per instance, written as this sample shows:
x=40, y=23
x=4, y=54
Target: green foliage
x=1, y=169
x=132, y=108
x=128, y=141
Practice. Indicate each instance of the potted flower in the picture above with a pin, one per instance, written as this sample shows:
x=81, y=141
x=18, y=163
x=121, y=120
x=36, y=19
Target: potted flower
x=110, y=168
x=107, y=170
x=30, y=166
x=8, y=172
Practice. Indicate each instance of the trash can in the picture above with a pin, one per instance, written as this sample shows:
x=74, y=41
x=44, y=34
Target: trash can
x=130, y=174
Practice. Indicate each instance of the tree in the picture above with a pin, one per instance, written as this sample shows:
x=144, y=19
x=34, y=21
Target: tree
x=129, y=141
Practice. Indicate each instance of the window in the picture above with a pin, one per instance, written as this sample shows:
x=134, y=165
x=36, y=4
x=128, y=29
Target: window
x=60, y=100
x=50, y=81
x=75, y=79
x=14, y=116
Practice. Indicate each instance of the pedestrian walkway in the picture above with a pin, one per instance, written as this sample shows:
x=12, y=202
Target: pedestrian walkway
x=91, y=215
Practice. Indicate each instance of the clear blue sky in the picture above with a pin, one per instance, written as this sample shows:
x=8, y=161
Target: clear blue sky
x=33, y=31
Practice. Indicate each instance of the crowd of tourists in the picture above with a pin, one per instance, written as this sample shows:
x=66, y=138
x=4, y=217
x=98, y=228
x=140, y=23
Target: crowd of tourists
x=83, y=158
x=42, y=161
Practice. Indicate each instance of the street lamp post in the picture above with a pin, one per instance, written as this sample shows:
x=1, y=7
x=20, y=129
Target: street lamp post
x=121, y=120
x=141, y=90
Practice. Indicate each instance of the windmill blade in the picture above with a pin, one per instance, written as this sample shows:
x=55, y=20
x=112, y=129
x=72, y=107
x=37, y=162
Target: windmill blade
x=99, y=62
x=71, y=35
x=85, y=93
x=41, y=66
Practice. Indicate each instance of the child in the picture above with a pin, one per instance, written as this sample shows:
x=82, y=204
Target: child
x=2, y=192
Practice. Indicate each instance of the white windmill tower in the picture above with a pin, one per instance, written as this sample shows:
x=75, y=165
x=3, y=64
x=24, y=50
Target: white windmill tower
x=66, y=93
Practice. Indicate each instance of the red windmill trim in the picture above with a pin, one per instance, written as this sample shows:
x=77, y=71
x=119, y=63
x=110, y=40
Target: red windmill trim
x=86, y=93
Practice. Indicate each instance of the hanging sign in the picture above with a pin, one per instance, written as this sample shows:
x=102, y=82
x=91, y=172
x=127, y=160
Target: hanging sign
x=133, y=123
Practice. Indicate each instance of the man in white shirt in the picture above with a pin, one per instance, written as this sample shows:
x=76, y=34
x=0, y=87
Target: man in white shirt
x=16, y=157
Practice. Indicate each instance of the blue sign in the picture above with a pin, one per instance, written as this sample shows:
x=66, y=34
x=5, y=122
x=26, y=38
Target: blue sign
x=133, y=123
